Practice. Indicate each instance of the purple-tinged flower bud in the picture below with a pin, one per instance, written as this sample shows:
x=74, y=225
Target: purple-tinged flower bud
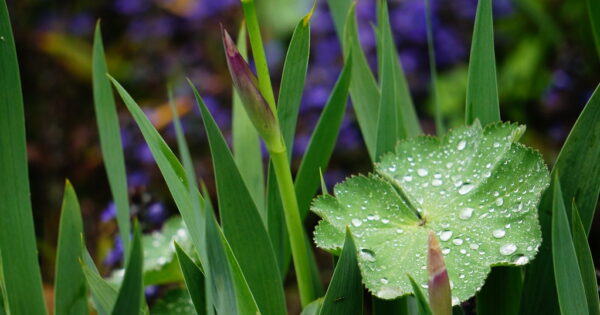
x=440, y=296
x=246, y=84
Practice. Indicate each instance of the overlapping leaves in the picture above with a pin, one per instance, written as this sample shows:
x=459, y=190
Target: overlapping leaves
x=476, y=188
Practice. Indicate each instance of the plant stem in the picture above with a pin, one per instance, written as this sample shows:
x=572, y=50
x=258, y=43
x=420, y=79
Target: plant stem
x=258, y=53
x=294, y=225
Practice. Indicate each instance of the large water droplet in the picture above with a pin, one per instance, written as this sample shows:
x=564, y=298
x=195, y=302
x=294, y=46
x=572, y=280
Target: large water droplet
x=508, y=249
x=445, y=235
x=461, y=145
x=465, y=188
x=521, y=260
x=499, y=233
x=422, y=172
x=367, y=254
x=466, y=213
x=356, y=222
x=457, y=241
x=499, y=201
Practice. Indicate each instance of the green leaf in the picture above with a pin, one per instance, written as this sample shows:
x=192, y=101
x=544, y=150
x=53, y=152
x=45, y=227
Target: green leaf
x=482, y=89
x=70, y=292
x=476, y=188
x=593, y=8
x=130, y=297
x=579, y=164
x=586, y=263
x=345, y=293
x=176, y=301
x=159, y=253
x=422, y=304
x=569, y=285
x=322, y=142
x=363, y=88
x=194, y=279
x=242, y=224
x=110, y=137
x=21, y=280
x=339, y=12
x=246, y=143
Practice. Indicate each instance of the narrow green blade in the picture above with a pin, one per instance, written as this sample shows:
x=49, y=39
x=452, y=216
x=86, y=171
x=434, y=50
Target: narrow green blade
x=246, y=143
x=110, y=137
x=313, y=308
x=131, y=293
x=194, y=279
x=389, y=119
x=569, y=285
x=408, y=123
x=503, y=282
x=363, y=88
x=242, y=224
x=292, y=81
x=339, y=12
x=70, y=292
x=322, y=142
x=482, y=89
x=579, y=164
x=290, y=96
x=177, y=182
x=593, y=8
x=344, y=295
x=586, y=263
x=398, y=306
x=422, y=304
x=21, y=278
x=104, y=295
x=433, y=90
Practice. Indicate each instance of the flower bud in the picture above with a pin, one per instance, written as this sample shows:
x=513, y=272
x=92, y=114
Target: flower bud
x=440, y=296
x=246, y=84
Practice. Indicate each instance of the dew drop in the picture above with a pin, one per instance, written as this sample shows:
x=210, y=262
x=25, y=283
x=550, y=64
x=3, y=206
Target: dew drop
x=521, y=260
x=496, y=144
x=367, y=254
x=445, y=235
x=399, y=231
x=422, y=172
x=407, y=178
x=474, y=246
x=457, y=241
x=499, y=233
x=356, y=222
x=466, y=213
x=465, y=188
x=461, y=145
x=446, y=251
x=508, y=249
x=499, y=201
x=436, y=182
x=385, y=221
x=384, y=280
x=392, y=168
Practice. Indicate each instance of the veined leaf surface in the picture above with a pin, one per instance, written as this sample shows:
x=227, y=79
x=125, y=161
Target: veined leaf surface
x=476, y=188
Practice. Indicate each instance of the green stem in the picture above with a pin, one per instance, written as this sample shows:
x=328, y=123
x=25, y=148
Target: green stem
x=294, y=225
x=258, y=53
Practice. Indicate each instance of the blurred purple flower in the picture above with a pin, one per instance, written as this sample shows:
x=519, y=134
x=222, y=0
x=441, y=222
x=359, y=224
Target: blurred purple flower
x=116, y=254
x=130, y=7
x=109, y=213
x=137, y=178
x=81, y=24
x=156, y=213
x=449, y=47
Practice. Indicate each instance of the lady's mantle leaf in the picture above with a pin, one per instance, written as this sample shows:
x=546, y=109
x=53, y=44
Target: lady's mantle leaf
x=476, y=188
